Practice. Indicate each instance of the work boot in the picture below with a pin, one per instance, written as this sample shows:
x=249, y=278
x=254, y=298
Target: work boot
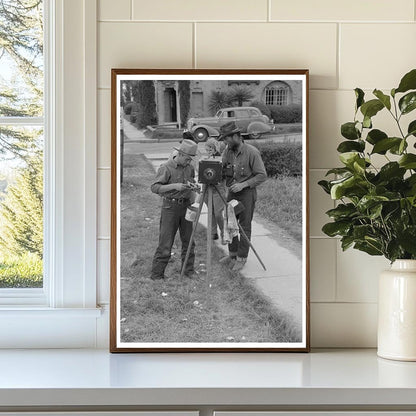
x=158, y=277
x=239, y=264
x=228, y=261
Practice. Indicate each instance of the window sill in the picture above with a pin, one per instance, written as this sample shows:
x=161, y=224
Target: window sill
x=34, y=311
x=42, y=327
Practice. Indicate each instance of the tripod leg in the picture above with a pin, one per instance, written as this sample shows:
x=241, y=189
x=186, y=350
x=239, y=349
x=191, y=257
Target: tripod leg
x=209, y=232
x=191, y=240
x=244, y=234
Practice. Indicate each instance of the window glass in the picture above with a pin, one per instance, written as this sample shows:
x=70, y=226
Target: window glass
x=21, y=143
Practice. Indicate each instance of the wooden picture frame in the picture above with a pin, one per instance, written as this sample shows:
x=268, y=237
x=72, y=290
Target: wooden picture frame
x=218, y=309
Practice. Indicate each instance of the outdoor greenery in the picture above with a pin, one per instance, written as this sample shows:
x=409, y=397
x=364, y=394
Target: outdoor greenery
x=224, y=308
x=376, y=210
x=235, y=96
x=281, y=158
x=291, y=113
x=279, y=200
x=184, y=100
x=21, y=148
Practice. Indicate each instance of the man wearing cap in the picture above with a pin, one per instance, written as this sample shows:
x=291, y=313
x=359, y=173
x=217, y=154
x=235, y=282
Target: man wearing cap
x=171, y=183
x=244, y=171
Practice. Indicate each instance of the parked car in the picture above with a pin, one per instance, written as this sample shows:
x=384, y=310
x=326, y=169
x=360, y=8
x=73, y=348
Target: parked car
x=250, y=120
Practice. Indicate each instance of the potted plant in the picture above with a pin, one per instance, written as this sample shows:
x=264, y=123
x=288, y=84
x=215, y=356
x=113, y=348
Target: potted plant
x=376, y=207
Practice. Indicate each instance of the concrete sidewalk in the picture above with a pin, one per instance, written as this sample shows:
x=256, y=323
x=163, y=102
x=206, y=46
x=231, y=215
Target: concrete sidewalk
x=133, y=134
x=281, y=283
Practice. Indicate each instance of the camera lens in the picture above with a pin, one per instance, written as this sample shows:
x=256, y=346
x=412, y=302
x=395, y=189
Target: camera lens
x=209, y=173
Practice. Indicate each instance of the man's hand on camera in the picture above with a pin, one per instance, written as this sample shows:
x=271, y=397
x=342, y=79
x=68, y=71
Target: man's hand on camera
x=237, y=187
x=181, y=186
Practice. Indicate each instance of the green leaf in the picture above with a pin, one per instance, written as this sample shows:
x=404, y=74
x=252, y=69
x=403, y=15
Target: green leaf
x=407, y=239
x=398, y=149
x=408, y=102
x=385, y=144
x=348, y=158
x=336, y=228
x=349, y=146
x=375, y=136
x=360, y=231
x=408, y=82
x=349, y=131
x=342, y=211
x=346, y=242
x=371, y=108
x=408, y=161
x=385, y=99
x=359, y=94
x=368, y=248
x=411, y=130
x=338, y=171
x=338, y=189
x=325, y=186
x=391, y=170
x=375, y=211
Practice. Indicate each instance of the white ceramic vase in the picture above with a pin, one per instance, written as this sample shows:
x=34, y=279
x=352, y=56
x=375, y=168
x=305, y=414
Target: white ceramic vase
x=397, y=312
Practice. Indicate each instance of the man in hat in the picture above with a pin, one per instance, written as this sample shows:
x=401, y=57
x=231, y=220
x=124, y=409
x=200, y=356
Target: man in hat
x=172, y=184
x=244, y=171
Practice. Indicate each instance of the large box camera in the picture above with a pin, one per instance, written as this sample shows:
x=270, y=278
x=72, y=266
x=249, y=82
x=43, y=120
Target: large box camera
x=210, y=172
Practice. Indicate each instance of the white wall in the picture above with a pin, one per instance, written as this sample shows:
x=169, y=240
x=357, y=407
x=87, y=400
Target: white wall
x=344, y=43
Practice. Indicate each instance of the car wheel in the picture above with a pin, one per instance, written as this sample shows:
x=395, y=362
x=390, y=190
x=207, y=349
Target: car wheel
x=200, y=134
x=254, y=136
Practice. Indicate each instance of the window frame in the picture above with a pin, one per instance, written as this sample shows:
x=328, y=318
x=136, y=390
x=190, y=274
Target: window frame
x=68, y=318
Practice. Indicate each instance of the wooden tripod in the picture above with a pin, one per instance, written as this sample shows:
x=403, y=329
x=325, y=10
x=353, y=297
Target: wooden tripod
x=208, y=190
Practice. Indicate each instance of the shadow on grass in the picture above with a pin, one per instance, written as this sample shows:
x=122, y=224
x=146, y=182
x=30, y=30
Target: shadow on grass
x=223, y=308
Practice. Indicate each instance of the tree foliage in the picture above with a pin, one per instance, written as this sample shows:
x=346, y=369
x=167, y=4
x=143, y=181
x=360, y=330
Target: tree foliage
x=21, y=49
x=147, y=103
x=21, y=95
x=184, y=100
x=376, y=212
x=21, y=212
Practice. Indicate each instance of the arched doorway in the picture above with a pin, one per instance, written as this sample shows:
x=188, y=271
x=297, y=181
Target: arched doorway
x=170, y=105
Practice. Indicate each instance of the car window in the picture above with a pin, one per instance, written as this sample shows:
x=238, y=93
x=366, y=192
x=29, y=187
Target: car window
x=228, y=114
x=219, y=113
x=242, y=113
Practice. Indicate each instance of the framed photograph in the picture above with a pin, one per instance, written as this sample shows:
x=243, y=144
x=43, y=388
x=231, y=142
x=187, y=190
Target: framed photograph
x=209, y=211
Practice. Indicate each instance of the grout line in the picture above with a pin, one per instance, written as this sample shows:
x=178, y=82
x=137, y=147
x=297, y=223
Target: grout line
x=104, y=168
x=310, y=22
x=194, y=63
x=131, y=9
x=338, y=56
x=344, y=303
x=103, y=238
x=269, y=10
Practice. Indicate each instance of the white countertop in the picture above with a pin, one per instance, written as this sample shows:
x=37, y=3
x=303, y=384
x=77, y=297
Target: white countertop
x=92, y=377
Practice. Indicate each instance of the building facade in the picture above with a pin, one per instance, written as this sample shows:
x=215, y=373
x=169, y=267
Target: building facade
x=269, y=92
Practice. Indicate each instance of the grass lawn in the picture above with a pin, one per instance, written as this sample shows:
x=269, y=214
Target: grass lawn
x=21, y=271
x=224, y=308
x=280, y=200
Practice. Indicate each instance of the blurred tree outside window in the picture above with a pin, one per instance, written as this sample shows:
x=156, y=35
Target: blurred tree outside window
x=21, y=143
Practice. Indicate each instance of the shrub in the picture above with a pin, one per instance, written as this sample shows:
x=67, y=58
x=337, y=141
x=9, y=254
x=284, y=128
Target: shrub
x=133, y=117
x=281, y=158
x=262, y=107
x=286, y=113
x=184, y=100
x=129, y=107
x=147, y=104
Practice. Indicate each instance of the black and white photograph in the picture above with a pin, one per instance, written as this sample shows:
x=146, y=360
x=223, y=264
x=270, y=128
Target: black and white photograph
x=209, y=232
